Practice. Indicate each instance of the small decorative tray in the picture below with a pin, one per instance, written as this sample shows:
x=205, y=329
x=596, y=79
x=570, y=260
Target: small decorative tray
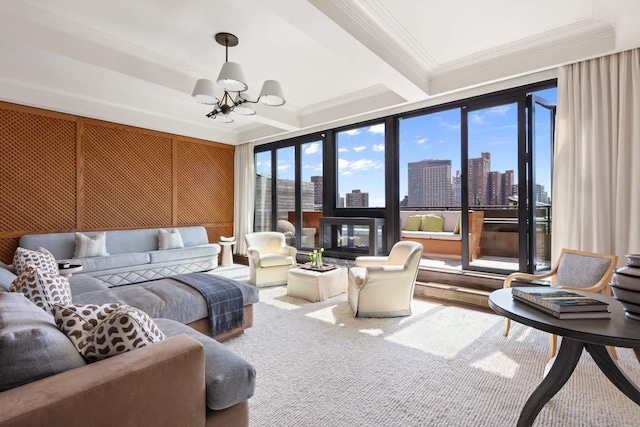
x=325, y=267
x=70, y=266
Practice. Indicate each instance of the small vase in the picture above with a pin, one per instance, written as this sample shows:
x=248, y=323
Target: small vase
x=319, y=262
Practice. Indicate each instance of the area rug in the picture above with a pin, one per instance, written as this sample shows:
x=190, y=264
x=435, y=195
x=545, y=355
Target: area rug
x=444, y=366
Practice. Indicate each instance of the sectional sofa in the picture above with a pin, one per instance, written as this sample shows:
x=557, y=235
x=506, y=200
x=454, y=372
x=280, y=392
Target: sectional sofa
x=188, y=379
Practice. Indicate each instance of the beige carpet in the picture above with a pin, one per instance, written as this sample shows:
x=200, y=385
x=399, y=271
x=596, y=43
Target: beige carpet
x=443, y=366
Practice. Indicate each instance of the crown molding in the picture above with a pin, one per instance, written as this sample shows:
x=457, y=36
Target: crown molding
x=562, y=45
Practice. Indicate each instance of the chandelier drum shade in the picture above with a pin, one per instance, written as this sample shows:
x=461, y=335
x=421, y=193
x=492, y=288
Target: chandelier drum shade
x=232, y=81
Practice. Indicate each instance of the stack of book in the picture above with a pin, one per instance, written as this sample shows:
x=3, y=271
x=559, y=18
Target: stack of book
x=562, y=304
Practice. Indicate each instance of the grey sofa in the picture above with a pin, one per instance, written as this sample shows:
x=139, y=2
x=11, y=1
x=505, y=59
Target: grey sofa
x=188, y=379
x=133, y=254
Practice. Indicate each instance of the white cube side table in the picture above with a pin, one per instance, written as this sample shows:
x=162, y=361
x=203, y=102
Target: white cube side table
x=227, y=257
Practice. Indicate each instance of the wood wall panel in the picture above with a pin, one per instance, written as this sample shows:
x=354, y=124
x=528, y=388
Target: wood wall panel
x=127, y=178
x=63, y=173
x=205, y=187
x=38, y=179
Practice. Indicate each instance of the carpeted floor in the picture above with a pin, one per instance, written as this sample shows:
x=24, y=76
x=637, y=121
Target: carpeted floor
x=443, y=366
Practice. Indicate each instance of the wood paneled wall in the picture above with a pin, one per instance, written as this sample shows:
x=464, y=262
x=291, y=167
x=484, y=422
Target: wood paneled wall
x=61, y=172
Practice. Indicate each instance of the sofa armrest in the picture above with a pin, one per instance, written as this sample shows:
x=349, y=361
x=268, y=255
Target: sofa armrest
x=366, y=261
x=161, y=384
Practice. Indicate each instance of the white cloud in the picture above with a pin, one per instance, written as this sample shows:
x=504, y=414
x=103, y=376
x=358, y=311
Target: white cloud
x=447, y=125
x=342, y=150
x=352, y=132
x=378, y=147
x=359, y=165
x=376, y=128
x=422, y=140
x=283, y=167
x=312, y=148
x=476, y=118
x=359, y=148
x=501, y=110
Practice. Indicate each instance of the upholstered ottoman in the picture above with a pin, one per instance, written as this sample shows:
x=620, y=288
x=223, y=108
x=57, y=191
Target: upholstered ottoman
x=316, y=286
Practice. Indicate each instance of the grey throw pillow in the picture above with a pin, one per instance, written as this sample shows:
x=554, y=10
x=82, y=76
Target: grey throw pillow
x=169, y=239
x=94, y=246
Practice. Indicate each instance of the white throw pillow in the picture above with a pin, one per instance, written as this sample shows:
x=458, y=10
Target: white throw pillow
x=169, y=239
x=101, y=331
x=42, y=288
x=40, y=258
x=87, y=247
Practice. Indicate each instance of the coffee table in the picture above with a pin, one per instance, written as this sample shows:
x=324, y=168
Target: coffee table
x=592, y=334
x=316, y=286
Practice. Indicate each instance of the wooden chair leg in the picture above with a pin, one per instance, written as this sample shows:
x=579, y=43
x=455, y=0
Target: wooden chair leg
x=613, y=352
x=507, y=325
x=553, y=346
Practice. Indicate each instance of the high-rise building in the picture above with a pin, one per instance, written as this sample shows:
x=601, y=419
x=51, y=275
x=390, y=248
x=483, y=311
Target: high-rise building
x=478, y=179
x=318, y=189
x=507, y=186
x=495, y=193
x=357, y=199
x=457, y=189
x=286, y=200
x=430, y=183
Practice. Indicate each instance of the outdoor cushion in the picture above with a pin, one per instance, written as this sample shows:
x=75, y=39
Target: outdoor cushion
x=414, y=222
x=432, y=223
x=450, y=219
x=229, y=378
x=31, y=345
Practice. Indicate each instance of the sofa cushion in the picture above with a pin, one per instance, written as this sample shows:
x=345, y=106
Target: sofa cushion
x=6, y=279
x=414, y=222
x=31, y=345
x=169, y=239
x=450, y=219
x=83, y=283
x=184, y=253
x=432, y=223
x=102, y=331
x=229, y=378
x=112, y=261
x=444, y=235
x=94, y=246
x=456, y=228
x=40, y=258
x=42, y=288
x=274, y=260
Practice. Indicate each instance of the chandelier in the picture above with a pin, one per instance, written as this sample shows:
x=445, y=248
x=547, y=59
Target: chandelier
x=231, y=79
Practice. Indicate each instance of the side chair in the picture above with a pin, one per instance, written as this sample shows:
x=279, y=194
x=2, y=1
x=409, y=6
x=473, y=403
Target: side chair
x=575, y=270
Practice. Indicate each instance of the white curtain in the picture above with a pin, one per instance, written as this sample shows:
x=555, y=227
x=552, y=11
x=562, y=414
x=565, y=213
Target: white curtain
x=596, y=175
x=243, y=195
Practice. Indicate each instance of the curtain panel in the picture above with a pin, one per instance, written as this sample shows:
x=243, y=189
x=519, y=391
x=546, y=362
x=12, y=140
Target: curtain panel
x=244, y=195
x=596, y=175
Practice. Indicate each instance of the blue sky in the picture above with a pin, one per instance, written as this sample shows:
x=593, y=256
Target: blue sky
x=432, y=136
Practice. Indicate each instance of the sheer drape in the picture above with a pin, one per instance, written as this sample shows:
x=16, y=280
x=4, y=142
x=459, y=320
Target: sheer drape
x=243, y=195
x=596, y=177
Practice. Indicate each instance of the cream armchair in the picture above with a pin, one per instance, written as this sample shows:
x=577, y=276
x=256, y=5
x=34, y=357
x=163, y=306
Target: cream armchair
x=383, y=286
x=269, y=258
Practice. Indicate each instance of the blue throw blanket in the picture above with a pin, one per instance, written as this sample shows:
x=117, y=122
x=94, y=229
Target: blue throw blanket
x=224, y=300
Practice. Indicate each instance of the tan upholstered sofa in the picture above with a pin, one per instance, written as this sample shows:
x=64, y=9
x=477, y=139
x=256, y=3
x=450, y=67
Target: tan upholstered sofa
x=445, y=242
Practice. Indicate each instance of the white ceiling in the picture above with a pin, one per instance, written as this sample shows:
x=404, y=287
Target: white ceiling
x=339, y=61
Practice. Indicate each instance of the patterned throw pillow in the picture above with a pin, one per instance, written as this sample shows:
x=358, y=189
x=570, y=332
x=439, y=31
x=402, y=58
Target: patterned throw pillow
x=42, y=288
x=87, y=247
x=170, y=239
x=101, y=331
x=40, y=258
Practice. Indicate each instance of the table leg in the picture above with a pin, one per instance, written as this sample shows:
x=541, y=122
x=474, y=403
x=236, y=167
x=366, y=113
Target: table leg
x=610, y=368
x=566, y=361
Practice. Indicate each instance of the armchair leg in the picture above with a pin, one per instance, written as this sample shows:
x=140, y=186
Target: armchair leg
x=613, y=352
x=507, y=326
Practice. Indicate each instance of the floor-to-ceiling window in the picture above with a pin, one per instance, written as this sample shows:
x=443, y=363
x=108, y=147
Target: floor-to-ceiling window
x=263, y=201
x=490, y=154
x=361, y=171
